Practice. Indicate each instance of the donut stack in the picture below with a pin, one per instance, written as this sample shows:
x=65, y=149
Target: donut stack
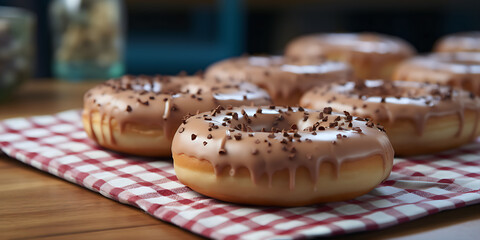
x=320, y=124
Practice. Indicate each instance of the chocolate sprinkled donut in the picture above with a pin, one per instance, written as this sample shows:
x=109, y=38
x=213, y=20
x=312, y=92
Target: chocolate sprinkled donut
x=371, y=55
x=419, y=118
x=286, y=80
x=456, y=69
x=459, y=42
x=295, y=163
x=140, y=114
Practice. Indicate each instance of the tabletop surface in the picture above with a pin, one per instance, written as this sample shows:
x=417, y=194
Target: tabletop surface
x=38, y=205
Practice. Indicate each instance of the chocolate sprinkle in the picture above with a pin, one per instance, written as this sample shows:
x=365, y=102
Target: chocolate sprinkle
x=146, y=103
x=328, y=110
x=238, y=136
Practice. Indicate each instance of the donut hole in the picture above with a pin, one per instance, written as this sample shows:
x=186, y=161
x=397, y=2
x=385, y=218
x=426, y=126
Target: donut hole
x=272, y=120
x=258, y=124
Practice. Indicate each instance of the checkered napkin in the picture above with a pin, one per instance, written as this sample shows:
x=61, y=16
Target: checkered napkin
x=417, y=186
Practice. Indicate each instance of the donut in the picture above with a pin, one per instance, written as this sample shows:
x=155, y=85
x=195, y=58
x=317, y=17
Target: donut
x=371, y=55
x=277, y=156
x=419, y=118
x=459, y=42
x=284, y=80
x=139, y=115
x=457, y=69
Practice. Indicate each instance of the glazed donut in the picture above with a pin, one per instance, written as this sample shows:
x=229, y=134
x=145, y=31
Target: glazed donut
x=139, y=115
x=305, y=156
x=459, y=42
x=371, y=55
x=284, y=80
x=419, y=118
x=457, y=69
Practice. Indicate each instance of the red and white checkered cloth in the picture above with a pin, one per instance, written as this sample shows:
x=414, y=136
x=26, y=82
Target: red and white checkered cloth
x=417, y=186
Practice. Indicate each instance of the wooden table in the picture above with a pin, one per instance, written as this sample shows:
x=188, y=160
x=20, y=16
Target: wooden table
x=34, y=204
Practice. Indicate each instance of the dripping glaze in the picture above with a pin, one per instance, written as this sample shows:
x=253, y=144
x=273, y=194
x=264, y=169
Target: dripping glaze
x=387, y=102
x=162, y=101
x=266, y=140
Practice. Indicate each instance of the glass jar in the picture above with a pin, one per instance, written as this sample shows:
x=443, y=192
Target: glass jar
x=16, y=48
x=88, y=37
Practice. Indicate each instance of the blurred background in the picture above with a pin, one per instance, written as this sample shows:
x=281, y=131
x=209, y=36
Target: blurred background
x=150, y=37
